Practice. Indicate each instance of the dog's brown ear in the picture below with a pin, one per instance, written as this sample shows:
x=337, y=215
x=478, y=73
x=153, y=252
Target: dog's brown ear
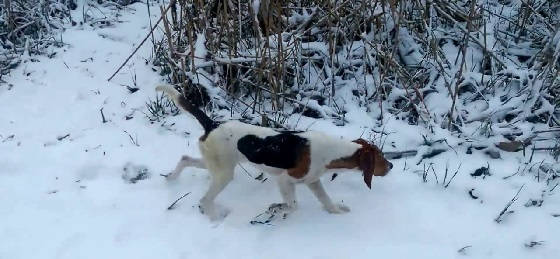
x=361, y=141
x=367, y=160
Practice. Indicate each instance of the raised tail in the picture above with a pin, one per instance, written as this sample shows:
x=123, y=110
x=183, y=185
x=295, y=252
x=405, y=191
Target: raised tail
x=180, y=100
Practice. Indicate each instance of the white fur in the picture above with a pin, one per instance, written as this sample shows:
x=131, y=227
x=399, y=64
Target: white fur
x=220, y=157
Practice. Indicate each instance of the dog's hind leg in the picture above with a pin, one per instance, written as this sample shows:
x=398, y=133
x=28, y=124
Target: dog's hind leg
x=220, y=177
x=185, y=161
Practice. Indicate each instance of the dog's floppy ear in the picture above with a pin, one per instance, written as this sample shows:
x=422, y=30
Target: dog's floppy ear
x=367, y=160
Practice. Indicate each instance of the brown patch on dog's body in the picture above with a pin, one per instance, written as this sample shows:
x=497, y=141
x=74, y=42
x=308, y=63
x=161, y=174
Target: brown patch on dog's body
x=302, y=164
x=350, y=162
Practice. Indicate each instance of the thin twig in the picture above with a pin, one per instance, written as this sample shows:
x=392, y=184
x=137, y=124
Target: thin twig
x=453, y=177
x=133, y=140
x=502, y=214
x=103, y=116
x=172, y=206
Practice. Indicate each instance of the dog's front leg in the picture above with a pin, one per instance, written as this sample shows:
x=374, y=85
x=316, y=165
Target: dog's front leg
x=317, y=189
x=288, y=192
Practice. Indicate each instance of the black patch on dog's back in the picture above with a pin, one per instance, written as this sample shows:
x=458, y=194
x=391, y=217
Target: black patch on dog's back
x=283, y=131
x=280, y=151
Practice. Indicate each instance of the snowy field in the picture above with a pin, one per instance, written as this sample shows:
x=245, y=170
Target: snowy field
x=63, y=194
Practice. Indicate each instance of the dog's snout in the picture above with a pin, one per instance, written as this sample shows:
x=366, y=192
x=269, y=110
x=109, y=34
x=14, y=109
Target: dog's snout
x=390, y=165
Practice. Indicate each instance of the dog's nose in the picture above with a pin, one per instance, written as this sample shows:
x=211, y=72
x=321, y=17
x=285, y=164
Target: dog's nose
x=390, y=165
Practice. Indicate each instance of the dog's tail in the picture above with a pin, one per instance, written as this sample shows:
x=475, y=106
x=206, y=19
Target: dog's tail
x=180, y=100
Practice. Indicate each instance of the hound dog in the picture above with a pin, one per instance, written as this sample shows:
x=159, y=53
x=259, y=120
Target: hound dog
x=294, y=157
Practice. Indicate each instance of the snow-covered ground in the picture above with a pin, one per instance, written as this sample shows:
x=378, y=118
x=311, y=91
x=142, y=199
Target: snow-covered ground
x=62, y=192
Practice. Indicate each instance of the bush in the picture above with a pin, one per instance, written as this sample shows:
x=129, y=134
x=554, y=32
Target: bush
x=451, y=63
x=26, y=27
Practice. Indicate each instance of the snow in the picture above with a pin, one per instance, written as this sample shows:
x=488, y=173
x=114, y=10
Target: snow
x=67, y=198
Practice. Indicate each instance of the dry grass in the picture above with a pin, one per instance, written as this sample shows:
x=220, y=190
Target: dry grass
x=31, y=27
x=392, y=55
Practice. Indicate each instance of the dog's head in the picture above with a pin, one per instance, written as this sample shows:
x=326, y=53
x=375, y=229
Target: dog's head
x=371, y=161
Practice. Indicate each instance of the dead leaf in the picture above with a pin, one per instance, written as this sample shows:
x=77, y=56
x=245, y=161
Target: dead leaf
x=511, y=146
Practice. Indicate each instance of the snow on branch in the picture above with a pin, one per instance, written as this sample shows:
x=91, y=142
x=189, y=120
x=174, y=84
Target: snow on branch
x=450, y=63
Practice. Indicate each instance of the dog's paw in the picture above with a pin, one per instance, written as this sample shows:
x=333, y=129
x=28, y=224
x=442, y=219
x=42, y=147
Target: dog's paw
x=280, y=207
x=337, y=209
x=219, y=215
x=214, y=212
x=274, y=212
x=171, y=176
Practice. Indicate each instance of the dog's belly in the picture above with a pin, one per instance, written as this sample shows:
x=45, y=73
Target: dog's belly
x=273, y=171
x=270, y=170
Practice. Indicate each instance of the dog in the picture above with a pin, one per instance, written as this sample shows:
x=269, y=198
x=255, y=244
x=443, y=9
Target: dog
x=292, y=156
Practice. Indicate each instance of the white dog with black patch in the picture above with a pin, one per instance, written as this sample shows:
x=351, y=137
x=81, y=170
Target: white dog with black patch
x=293, y=157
